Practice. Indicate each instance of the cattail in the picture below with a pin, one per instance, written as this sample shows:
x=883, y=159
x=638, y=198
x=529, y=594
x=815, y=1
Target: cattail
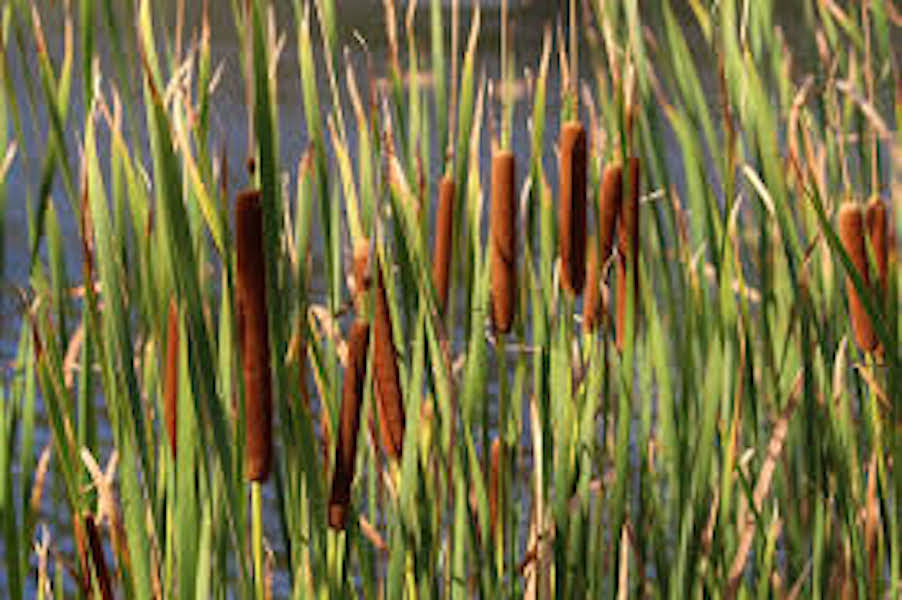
x=349, y=422
x=609, y=208
x=385, y=369
x=592, y=299
x=171, y=375
x=103, y=576
x=503, y=241
x=573, y=207
x=254, y=334
x=628, y=249
x=875, y=218
x=493, y=483
x=851, y=234
x=361, y=264
x=441, y=257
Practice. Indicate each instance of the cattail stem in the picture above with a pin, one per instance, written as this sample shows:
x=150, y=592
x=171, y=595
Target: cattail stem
x=628, y=249
x=851, y=234
x=387, y=380
x=349, y=423
x=254, y=334
x=97, y=556
x=257, y=538
x=441, y=259
x=503, y=241
x=572, y=219
x=170, y=381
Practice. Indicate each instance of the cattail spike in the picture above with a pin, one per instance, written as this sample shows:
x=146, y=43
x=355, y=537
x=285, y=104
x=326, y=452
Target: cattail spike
x=251, y=290
x=385, y=366
x=851, y=234
x=98, y=558
x=573, y=207
x=503, y=240
x=171, y=375
x=875, y=218
x=628, y=249
x=609, y=209
x=493, y=484
x=441, y=258
x=349, y=423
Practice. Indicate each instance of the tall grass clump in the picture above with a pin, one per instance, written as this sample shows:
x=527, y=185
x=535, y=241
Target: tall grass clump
x=365, y=375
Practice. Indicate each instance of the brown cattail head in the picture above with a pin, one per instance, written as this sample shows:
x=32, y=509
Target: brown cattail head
x=98, y=558
x=628, y=250
x=609, y=208
x=592, y=299
x=387, y=380
x=493, y=484
x=254, y=334
x=851, y=234
x=875, y=218
x=503, y=240
x=441, y=257
x=572, y=220
x=171, y=375
x=349, y=422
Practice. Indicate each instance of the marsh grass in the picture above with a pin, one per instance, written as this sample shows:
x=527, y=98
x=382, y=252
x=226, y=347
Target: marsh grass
x=730, y=432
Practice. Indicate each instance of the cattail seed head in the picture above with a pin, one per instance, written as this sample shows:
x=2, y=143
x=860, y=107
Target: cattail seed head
x=385, y=369
x=609, y=209
x=875, y=218
x=349, y=423
x=572, y=220
x=592, y=299
x=851, y=234
x=441, y=257
x=628, y=249
x=503, y=240
x=254, y=335
x=171, y=375
x=493, y=483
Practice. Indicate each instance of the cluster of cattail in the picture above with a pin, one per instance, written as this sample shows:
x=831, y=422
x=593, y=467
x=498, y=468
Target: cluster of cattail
x=572, y=220
x=503, y=240
x=171, y=375
x=441, y=258
x=253, y=331
x=349, y=421
x=852, y=226
x=620, y=217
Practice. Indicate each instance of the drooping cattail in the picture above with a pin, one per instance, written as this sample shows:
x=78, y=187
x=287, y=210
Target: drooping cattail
x=441, y=256
x=592, y=299
x=875, y=218
x=503, y=240
x=349, y=423
x=493, y=484
x=98, y=558
x=171, y=375
x=628, y=249
x=851, y=234
x=385, y=370
x=572, y=220
x=254, y=334
x=609, y=208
